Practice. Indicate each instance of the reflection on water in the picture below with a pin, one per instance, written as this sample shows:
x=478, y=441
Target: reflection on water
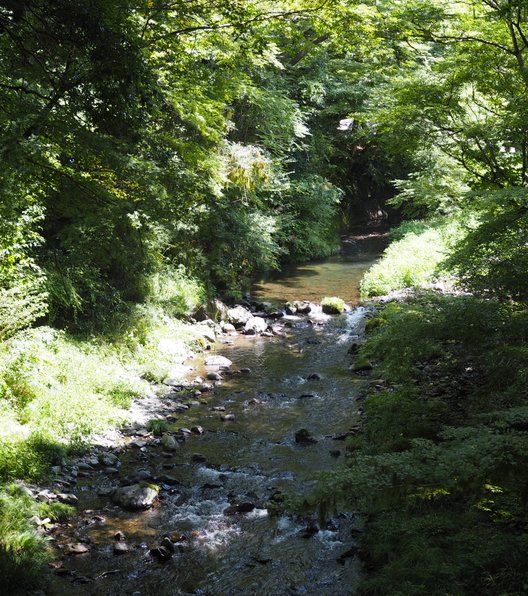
x=337, y=276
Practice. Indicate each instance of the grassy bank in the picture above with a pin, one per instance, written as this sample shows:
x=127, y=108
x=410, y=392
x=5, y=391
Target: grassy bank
x=57, y=392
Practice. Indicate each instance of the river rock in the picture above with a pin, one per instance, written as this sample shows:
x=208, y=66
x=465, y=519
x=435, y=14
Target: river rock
x=255, y=325
x=108, y=459
x=302, y=307
x=136, y=496
x=198, y=458
x=76, y=549
x=121, y=548
x=68, y=498
x=161, y=553
x=304, y=437
x=168, y=479
x=218, y=361
x=228, y=418
x=238, y=316
x=214, y=376
x=197, y=430
x=314, y=377
x=246, y=507
x=169, y=443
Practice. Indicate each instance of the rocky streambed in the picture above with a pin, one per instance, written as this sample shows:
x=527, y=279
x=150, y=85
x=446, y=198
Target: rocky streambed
x=192, y=501
x=188, y=498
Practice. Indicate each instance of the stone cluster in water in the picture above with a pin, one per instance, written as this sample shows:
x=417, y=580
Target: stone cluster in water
x=144, y=487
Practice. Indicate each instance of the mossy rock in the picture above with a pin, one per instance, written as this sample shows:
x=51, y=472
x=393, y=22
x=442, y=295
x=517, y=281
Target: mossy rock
x=361, y=365
x=333, y=305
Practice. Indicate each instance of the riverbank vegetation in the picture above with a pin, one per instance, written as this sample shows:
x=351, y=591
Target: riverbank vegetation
x=155, y=155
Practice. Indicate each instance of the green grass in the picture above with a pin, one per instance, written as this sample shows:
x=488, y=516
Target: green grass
x=57, y=392
x=414, y=257
x=157, y=426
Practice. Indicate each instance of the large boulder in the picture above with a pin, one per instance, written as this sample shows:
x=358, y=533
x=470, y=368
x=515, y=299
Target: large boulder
x=135, y=496
x=238, y=316
x=255, y=325
x=213, y=309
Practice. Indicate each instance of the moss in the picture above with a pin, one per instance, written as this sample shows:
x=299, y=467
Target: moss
x=333, y=305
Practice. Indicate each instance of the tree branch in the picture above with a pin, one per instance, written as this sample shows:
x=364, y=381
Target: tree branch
x=215, y=27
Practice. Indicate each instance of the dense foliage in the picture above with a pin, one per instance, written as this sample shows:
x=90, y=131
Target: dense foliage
x=155, y=153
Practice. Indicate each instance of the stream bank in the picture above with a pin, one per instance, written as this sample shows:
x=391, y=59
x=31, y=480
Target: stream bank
x=235, y=440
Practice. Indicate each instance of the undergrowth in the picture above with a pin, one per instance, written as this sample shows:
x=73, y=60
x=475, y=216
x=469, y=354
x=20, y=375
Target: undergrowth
x=57, y=392
x=439, y=468
x=414, y=258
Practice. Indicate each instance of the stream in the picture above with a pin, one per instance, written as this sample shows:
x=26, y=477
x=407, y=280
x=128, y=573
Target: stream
x=217, y=486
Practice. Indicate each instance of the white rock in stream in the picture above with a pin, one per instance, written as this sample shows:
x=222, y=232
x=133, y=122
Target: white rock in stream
x=136, y=496
x=238, y=315
x=217, y=361
x=255, y=325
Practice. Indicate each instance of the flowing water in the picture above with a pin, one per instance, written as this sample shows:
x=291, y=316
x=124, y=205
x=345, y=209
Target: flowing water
x=251, y=460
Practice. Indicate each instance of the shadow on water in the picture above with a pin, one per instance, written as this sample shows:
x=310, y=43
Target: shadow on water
x=339, y=275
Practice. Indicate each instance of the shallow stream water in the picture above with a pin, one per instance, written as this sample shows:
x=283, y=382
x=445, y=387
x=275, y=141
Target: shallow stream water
x=251, y=460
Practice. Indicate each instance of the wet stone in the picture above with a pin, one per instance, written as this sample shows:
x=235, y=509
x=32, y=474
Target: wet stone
x=121, y=548
x=228, y=418
x=76, y=549
x=167, y=479
x=67, y=498
x=169, y=443
x=314, y=377
x=198, y=458
x=197, y=430
x=246, y=507
x=136, y=496
x=304, y=437
x=109, y=460
x=161, y=553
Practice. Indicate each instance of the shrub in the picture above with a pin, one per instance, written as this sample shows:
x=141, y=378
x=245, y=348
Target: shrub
x=439, y=466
